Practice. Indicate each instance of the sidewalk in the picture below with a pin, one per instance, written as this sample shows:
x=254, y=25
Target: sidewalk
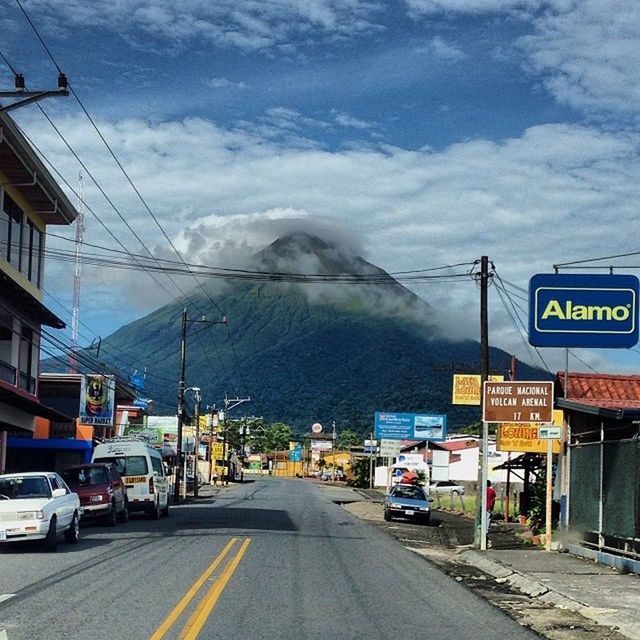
x=555, y=579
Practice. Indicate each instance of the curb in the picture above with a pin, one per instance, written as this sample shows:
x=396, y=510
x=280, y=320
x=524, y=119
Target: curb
x=520, y=581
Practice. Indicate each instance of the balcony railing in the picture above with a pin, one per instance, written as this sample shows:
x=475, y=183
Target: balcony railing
x=28, y=383
x=7, y=373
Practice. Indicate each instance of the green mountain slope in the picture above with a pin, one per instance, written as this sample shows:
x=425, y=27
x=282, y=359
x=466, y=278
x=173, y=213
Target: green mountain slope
x=311, y=352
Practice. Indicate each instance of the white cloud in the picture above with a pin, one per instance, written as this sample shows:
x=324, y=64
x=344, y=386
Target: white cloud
x=555, y=194
x=588, y=54
x=246, y=24
x=224, y=83
x=445, y=50
x=470, y=6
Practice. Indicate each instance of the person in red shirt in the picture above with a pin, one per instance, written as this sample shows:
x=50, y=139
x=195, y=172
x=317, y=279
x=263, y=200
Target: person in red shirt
x=491, y=501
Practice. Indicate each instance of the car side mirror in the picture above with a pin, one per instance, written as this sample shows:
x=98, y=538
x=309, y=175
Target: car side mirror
x=58, y=493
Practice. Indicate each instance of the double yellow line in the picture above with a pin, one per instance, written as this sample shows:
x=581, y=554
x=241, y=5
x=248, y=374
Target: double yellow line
x=204, y=608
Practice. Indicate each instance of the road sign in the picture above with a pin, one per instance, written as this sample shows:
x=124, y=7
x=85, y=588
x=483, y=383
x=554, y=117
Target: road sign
x=389, y=448
x=410, y=426
x=550, y=433
x=518, y=402
x=584, y=310
x=295, y=455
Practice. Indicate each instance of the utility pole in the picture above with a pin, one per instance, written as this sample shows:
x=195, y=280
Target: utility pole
x=197, y=442
x=25, y=97
x=229, y=403
x=183, y=357
x=480, y=535
x=181, y=390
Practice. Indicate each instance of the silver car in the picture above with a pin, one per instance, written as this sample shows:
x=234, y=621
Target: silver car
x=446, y=488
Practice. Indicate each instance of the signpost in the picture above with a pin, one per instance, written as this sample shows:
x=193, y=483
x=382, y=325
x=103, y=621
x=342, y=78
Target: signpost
x=518, y=402
x=522, y=402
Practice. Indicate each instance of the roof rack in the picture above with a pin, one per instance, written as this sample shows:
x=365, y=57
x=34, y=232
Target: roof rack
x=137, y=438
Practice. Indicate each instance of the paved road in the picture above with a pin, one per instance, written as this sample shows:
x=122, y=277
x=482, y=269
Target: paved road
x=274, y=559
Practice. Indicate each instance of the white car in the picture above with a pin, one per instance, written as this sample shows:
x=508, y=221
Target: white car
x=38, y=506
x=446, y=488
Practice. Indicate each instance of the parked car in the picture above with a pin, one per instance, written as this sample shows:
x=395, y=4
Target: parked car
x=407, y=501
x=102, y=492
x=38, y=506
x=142, y=471
x=446, y=487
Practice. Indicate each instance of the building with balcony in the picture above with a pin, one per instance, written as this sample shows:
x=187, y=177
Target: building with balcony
x=30, y=201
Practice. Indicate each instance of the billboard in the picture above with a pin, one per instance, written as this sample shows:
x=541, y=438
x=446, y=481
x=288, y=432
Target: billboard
x=569, y=310
x=466, y=388
x=97, y=400
x=525, y=437
x=410, y=426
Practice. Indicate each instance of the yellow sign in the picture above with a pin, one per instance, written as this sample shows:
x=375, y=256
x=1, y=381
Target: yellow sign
x=217, y=450
x=466, y=388
x=525, y=436
x=134, y=479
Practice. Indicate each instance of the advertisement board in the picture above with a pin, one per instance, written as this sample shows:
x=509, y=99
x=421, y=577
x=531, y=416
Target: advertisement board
x=525, y=437
x=410, y=426
x=583, y=310
x=97, y=400
x=467, y=388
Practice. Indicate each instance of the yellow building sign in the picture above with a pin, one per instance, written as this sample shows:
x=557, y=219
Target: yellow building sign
x=466, y=388
x=525, y=436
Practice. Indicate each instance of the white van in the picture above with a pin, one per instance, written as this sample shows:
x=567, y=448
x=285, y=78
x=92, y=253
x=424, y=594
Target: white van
x=142, y=471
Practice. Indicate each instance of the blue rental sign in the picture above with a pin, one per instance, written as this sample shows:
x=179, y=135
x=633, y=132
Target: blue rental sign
x=575, y=310
x=410, y=426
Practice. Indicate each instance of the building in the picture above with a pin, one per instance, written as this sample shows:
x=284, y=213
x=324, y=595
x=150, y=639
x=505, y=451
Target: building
x=600, y=474
x=30, y=201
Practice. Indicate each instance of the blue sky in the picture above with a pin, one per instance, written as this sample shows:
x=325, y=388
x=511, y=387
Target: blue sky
x=422, y=132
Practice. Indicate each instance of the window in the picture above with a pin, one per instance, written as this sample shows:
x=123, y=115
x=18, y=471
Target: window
x=14, y=217
x=128, y=465
x=28, y=360
x=35, y=265
x=156, y=463
x=7, y=370
x=25, y=249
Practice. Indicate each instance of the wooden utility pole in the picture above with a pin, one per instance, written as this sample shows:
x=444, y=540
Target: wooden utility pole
x=183, y=357
x=480, y=537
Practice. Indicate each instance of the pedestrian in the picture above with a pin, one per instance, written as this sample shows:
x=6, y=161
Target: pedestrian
x=214, y=477
x=491, y=501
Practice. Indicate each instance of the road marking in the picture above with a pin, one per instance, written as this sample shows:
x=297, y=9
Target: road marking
x=182, y=605
x=5, y=596
x=206, y=605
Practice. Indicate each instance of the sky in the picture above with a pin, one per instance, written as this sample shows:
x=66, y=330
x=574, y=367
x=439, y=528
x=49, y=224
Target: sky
x=423, y=132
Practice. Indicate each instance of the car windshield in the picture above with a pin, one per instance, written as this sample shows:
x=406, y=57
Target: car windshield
x=128, y=465
x=85, y=476
x=414, y=493
x=25, y=487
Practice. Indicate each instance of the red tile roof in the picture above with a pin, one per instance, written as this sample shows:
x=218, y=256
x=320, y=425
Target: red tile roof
x=457, y=445
x=601, y=390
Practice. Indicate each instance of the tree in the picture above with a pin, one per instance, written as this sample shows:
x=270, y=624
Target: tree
x=277, y=437
x=347, y=439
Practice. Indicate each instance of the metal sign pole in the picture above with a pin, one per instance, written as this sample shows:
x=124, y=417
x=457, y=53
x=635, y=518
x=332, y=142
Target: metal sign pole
x=548, y=518
x=483, y=488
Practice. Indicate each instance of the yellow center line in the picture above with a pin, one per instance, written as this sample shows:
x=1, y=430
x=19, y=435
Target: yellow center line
x=182, y=605
x=208, y=602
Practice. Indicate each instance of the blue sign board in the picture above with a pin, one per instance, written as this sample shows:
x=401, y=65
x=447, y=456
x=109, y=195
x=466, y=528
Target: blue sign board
x=410, y=426
x=580, y=310
x=295, y=455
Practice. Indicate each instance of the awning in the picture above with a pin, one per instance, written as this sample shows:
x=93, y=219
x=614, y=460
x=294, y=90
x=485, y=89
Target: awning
x=614, y=409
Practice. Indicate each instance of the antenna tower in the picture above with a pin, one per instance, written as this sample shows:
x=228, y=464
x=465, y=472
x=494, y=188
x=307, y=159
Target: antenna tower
x=75, y=308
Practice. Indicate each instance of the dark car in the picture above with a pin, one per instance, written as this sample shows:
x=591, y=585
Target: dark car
x=407, y=501
x=102, y=492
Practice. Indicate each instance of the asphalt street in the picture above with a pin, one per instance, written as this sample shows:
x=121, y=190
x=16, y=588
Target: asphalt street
x=271, y=559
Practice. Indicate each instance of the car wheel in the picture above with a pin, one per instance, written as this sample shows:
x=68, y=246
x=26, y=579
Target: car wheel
x=111, y=518
x=123, y=516
x=155, y=512
x=51, y=541
x=72, y=534
x=455, y=492
x=387, y=515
